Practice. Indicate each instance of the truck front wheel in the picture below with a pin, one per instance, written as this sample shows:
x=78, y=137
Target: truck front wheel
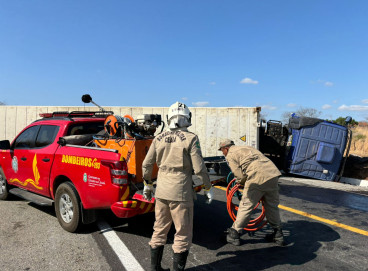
x=67, y=207
x=4, y=188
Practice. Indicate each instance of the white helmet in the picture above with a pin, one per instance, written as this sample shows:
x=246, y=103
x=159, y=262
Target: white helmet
x=179, y=116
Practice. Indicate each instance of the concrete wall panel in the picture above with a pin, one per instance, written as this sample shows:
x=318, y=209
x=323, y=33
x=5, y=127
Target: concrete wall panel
x=11, y=116
x=31, y=114
x=2, y=122
x=194, y=125
x=211, y=124
x=20, y=119
x=201, y=124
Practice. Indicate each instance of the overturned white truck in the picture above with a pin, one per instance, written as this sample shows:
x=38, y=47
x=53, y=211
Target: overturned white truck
x=307, y=147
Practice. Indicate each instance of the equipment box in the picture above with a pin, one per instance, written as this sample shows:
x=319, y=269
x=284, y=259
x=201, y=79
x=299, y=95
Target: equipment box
x=315, y=148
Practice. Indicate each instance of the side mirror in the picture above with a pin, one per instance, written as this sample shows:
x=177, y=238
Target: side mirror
x=5, y=145
x=86, y=98
x=348, y=120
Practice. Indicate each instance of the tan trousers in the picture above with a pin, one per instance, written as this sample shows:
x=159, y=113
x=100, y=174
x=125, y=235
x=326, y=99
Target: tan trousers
x=179, y=212
x=251, y=196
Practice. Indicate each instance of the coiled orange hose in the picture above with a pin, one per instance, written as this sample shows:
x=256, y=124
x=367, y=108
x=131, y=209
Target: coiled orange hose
x=254, y=224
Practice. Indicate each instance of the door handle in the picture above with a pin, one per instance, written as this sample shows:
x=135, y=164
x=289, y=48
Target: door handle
x=23, y=158
x=46, y=159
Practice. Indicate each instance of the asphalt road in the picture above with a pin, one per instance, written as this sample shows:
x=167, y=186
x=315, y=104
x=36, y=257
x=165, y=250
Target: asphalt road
x=31, y=238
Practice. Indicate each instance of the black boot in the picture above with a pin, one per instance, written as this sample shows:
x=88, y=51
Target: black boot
x=180, y=259
x=233, y=237
x=156, y=257
x=277, y=237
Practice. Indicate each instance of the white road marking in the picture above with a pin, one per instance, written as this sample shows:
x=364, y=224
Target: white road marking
x=125, y=256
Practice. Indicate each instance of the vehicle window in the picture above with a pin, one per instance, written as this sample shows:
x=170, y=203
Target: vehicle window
x=26, y=139
x=85, y=128
x=46, y=135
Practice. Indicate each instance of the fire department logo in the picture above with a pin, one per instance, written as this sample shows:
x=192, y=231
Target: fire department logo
x=85, y=177
x=15, y=164
x=36, y=174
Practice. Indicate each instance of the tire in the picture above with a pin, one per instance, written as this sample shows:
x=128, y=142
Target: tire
x=4, y=187
x=68, y=207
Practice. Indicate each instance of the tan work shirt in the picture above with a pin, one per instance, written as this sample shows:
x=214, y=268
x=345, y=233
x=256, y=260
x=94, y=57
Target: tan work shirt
x=249, y=165
x=176, y=152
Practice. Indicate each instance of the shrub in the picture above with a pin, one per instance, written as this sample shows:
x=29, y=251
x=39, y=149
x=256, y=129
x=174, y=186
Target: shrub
x=360, y=137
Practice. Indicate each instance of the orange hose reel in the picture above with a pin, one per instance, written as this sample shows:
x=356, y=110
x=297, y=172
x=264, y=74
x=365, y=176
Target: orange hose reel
x=114, y=123
x=254, y=224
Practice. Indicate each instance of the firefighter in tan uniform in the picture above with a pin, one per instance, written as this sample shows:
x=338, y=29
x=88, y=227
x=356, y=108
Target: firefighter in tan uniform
x=177, y=152
x=259, y=176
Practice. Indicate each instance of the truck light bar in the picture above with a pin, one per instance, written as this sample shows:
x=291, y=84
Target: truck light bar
x=77, y=114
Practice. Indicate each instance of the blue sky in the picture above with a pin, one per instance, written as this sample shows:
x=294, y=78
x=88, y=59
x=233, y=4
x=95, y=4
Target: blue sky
x=279, y=55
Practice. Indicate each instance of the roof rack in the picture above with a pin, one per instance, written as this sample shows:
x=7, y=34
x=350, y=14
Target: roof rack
x=77, y=114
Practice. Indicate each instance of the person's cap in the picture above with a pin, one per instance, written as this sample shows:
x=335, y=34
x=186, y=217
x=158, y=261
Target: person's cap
x=225, y=143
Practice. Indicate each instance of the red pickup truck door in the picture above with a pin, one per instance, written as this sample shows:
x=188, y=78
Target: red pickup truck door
x=44, y=154
x=33, y=155
x=21, y=160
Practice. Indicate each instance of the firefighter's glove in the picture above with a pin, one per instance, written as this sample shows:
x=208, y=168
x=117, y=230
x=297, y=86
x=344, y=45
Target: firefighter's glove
x=240, y=181
x=147, y=190
x=209, y=195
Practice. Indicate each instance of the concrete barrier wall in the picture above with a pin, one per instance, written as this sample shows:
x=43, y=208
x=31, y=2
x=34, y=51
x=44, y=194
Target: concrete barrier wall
x=211, y=124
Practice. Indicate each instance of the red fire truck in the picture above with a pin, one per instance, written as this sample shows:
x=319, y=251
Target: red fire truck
x=55, y=160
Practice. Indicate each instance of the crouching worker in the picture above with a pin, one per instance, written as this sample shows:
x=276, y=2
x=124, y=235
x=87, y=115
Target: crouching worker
x=177, y=152
x=260, y=177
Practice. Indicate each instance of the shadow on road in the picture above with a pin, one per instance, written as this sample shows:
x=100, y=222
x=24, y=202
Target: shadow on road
x=141, y=225
x=304, y=240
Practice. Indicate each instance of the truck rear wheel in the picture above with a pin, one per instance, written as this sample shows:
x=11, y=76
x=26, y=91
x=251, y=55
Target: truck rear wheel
x=4, y=188
x=67, y=207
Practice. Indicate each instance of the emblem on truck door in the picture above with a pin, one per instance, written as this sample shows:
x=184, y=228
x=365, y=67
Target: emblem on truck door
x=15, y=164
x=36, y=174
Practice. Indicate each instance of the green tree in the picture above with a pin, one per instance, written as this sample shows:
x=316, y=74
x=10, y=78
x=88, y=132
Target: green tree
x=341, y=121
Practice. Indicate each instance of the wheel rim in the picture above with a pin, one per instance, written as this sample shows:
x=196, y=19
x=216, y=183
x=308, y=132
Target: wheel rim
x=2, y=185
x=66, y=208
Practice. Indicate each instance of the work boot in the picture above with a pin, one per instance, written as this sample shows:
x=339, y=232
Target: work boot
x=277, y=237
x=233, y=237
x=180, y=259
x=156, y=257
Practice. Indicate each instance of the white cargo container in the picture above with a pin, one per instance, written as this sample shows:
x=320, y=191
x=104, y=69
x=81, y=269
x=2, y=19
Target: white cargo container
x=211, y=124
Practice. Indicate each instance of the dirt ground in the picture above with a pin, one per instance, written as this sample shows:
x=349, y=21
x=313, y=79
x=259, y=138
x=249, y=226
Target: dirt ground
x=359, y=144
x=357, y=162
